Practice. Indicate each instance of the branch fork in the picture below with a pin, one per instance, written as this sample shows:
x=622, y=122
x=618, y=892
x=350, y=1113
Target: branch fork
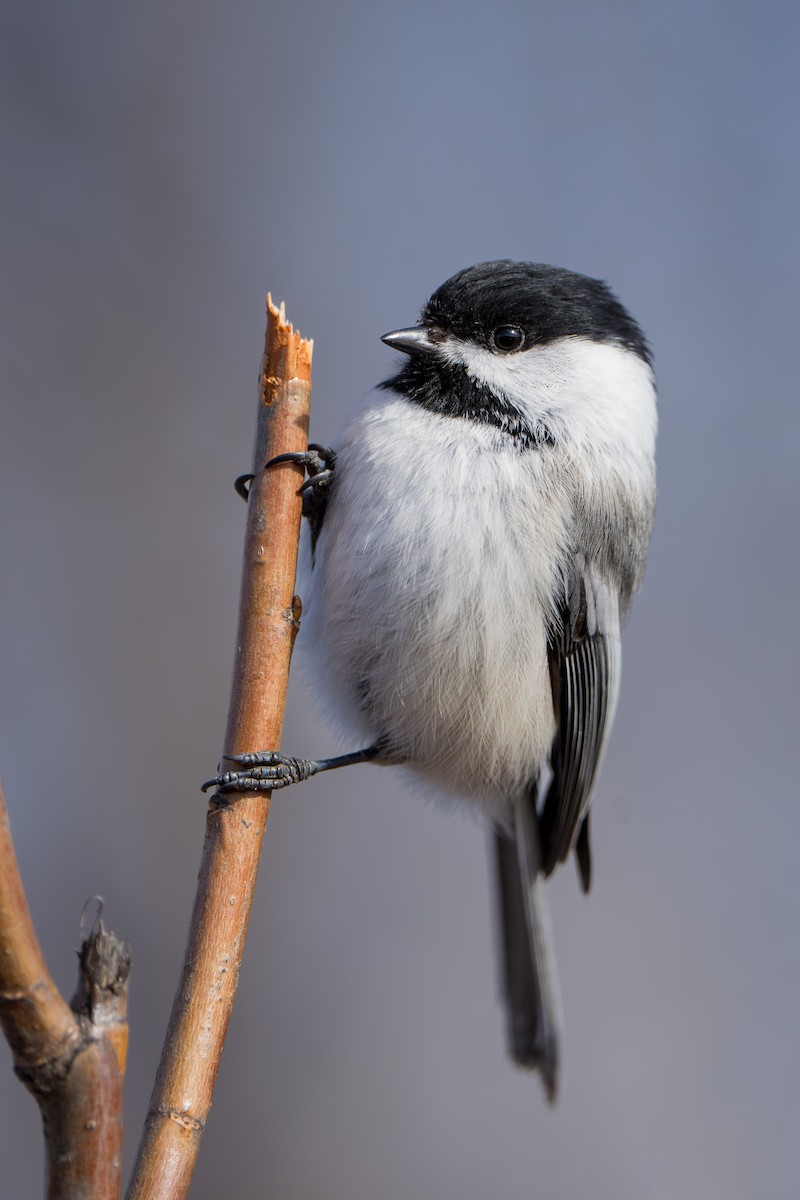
x=72, y=1056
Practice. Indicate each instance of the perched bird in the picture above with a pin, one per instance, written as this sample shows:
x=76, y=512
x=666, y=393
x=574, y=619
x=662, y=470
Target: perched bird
x=476, y=540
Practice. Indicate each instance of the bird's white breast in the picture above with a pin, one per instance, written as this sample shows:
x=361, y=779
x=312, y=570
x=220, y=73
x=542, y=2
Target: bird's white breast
x=433, y=580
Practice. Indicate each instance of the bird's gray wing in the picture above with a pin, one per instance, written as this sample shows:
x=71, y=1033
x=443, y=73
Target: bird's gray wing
x=585, y=670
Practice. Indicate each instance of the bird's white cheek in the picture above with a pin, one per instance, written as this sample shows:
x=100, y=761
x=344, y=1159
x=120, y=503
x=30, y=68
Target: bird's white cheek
x=507, y=375
x=587, y=392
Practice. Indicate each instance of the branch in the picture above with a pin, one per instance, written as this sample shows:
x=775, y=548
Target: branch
x=71, y=1059
x=268, y=616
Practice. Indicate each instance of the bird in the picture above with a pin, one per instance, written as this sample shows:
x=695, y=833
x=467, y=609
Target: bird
x=474, y=543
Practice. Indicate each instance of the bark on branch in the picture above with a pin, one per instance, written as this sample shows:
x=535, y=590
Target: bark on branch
x=268, y=617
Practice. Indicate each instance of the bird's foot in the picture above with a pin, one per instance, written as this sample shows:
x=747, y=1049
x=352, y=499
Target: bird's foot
x=319, y=462
x=264, y=771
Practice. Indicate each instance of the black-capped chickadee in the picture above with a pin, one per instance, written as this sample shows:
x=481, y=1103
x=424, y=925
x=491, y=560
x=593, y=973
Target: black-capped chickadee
x=475, y=544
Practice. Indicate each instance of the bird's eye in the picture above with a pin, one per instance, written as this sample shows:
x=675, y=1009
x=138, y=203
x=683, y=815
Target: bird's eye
x=508, y=338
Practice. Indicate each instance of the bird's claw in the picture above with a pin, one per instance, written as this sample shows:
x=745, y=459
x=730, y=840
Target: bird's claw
x=242, y=485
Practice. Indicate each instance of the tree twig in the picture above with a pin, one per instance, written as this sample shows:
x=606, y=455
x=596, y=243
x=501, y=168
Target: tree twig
x=71, y=1059
x=268, y=617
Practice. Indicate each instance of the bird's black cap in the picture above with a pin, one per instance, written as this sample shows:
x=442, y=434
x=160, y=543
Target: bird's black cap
x=545, y=302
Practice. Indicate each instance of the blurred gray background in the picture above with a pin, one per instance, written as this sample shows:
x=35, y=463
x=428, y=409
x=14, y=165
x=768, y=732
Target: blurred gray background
x=162, y=167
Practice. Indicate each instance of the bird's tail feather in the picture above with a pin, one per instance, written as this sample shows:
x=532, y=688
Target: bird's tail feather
x=529, y=972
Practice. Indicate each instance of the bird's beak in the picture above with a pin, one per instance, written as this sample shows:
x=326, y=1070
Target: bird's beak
x=416, y=340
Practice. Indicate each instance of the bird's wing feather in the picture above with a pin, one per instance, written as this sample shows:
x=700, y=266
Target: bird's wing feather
x=585, y=670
